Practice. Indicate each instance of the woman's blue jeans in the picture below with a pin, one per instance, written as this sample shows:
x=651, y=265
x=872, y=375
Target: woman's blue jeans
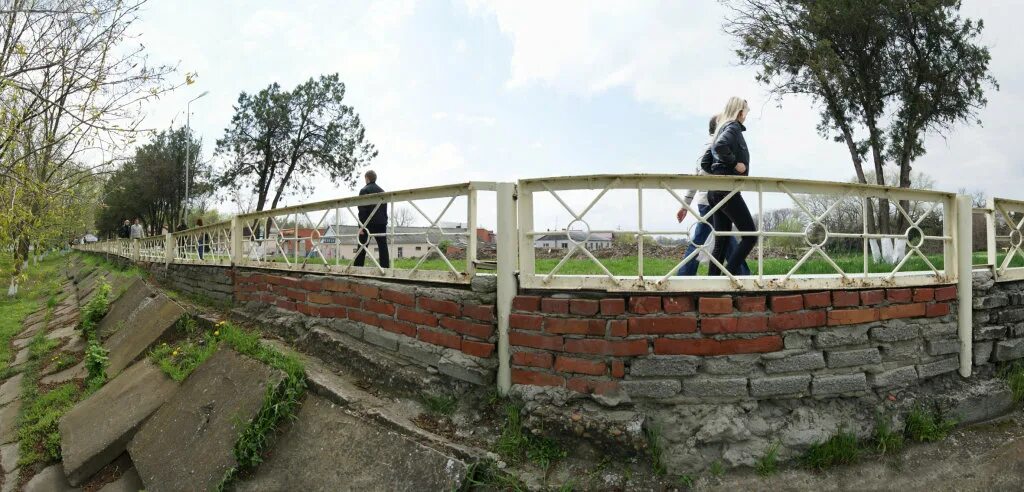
x=700, y=234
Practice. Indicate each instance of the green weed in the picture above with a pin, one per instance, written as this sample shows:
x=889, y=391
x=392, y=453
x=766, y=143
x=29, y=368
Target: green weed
x=840, y=449
x=178, y=361
x=440, y=405
x=40, y=346
x=63, y=360
x=685, y=481
x=1014, y=376
x=769, y=463
x=927, y=426
x=95, y=310
x=514, y=445
x=96, y=361
x=716, y=469
x=485, y=475
x=886, y=440
x=654, y=448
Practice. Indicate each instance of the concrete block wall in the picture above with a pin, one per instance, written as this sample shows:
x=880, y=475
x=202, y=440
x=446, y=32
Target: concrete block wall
x=998, y=320
x=701, y=348
x=211, y=282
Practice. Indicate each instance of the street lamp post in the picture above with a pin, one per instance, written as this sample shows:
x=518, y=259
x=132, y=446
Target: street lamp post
x=188, y=149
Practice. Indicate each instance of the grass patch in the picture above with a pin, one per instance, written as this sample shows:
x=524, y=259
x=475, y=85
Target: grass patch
x=39, y=284
x=925, y=425
x=1014, y=375
x=840, y=449
x=769, y=463
x=485, y=475
x=515, y=446
x=716, y=469
x=439, y=405
x=654, y=449
x=38, y=435
x=279, y=404
x=886, y=440
x=63, y=360
x=95, y=310
x=95, y=261
x=179, y=360
x=96, y=361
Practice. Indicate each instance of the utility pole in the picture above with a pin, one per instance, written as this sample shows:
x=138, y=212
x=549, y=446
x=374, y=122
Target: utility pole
x=188, y=150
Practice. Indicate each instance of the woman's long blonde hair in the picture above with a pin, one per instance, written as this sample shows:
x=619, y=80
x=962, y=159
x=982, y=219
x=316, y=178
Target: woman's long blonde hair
x=732, y=111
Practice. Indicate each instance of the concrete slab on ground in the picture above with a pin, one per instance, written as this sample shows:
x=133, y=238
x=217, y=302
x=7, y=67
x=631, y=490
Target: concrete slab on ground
x=188, y=443
x=76, y=371
x=91, y=436
x=51, y=479
x=309, y=457
x=126, y=307
x=151, y=324
x=64, y=332
x=8, y=419
x=21, y=357
x=10, y=389
x=129, y=482
x=9, y=454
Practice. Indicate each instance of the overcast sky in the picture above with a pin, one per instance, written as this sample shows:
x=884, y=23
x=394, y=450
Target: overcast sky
x=458, y=90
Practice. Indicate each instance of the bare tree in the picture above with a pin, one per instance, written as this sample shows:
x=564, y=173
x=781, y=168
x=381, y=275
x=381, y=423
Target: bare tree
x=403, y=217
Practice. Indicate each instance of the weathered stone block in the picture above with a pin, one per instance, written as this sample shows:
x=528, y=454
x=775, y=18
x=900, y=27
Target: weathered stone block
x=328, y=449
x=1015, y=315
x=991, y=301
x=848, y=358
x=656, y=388
x=943, y=346
x=381, y=338
x=730, y=364
x=670, y=365
x=188, y=443
x=838, y=384
x=901, y=376
x=989, y=332
x=908, y=350
x=801, y=362
x=781, y=385
x=938, y=367
x=722, y=387
x=10, y=390
x=124, y=310
x=845, y=335
x=8, y=421
x=894, y=331
x=1009, y=350
x=424, y=353
x=460, y=366
x=50, y=479
x=931, y=327
x=982, y=352
x=91, y=435
x=152, y=323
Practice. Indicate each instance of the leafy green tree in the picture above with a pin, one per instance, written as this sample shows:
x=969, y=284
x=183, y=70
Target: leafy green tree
x=885, y=74
x=279, y=140
x=152, y=185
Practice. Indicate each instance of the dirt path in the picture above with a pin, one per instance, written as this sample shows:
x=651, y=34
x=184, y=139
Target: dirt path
x=984, y=457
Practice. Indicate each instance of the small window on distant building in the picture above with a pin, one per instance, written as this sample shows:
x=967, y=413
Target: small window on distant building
x=419, y=248
x=565, y=245
x=399, y=251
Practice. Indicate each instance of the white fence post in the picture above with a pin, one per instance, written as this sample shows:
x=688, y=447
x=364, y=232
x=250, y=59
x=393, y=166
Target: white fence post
x=508, y=254
x=963, y=237
x=990, y=233
x=471, y=241
x=168, y=248
x=236, y=240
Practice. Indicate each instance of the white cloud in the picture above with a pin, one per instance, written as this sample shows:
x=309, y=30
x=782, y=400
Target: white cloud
x=466, y=119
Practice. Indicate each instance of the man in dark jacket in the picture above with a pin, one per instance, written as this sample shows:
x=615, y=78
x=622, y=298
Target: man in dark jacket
x=126, y=230
x=377, y=225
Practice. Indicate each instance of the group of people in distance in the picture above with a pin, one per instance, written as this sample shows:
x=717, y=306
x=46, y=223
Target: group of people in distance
x=726, y=154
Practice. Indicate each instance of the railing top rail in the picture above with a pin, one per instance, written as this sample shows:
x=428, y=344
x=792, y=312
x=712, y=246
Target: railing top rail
x=442, y=191
x=592, y=181
x=1007, y=201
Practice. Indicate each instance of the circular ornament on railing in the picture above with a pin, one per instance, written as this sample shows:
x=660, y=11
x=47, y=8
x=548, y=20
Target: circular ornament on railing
x=578, y=231
x=915, y=236
x=1016, y=238
x=815, y=234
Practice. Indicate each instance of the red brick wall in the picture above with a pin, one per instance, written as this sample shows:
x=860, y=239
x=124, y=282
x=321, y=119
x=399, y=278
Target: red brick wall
x=453, y=324
x=587, y=344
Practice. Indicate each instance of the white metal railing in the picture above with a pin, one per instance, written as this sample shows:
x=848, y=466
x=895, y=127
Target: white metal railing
x=1004, y=231
x=815, y=235
x=311, y=237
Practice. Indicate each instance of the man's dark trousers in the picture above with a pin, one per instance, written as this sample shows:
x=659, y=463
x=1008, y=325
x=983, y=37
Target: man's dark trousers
x=378, y=231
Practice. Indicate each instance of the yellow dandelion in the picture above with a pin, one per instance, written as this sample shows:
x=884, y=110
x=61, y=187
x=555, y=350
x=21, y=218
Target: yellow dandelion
x=174, y=354
x=216, y=333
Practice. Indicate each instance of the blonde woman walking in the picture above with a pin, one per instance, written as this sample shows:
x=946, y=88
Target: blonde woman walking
x=731, y=158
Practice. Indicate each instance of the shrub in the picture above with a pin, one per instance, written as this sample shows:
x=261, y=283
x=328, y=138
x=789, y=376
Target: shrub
x=96, y=360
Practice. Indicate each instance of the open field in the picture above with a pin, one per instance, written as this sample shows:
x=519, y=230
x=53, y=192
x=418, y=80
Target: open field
x=627, y=266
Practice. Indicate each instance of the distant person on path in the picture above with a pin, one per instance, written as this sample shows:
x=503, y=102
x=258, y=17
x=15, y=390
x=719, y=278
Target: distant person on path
x=703, y=230
x=731, y=157
x=376, y=225
x=164, y=230
x=126, y=230
x=136, y=230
